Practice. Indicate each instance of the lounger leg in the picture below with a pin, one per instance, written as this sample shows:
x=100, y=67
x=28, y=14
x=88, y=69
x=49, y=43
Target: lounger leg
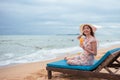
x=49, y=74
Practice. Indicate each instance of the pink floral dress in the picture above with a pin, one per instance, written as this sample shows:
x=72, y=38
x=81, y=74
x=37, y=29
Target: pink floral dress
x=84, y=58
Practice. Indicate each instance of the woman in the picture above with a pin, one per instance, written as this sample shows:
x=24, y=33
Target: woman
x=89, y=46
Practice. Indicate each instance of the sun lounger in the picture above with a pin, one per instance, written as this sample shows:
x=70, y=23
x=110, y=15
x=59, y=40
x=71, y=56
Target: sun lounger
x=108, y=61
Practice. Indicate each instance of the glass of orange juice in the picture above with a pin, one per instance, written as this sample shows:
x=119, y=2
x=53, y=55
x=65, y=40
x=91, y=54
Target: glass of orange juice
x=81, y=40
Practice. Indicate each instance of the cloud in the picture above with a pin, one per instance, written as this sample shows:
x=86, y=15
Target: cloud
x=46, y=13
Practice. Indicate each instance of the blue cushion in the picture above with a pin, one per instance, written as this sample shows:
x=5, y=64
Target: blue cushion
x=63, y=64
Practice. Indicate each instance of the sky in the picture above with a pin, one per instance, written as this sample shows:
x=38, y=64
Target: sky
x=56, y=16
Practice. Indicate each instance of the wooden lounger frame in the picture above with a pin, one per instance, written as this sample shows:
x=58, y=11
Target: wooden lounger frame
x=110, y=62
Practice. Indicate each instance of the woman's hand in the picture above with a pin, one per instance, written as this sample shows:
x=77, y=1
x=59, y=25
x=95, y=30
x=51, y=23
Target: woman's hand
x=79, y=36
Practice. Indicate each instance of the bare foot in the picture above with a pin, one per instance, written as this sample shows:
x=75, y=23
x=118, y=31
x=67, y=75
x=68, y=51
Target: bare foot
x=65, y=58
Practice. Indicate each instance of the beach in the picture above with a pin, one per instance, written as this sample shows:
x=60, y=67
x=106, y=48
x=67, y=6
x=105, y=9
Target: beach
x=37, y=70
x=34, y=33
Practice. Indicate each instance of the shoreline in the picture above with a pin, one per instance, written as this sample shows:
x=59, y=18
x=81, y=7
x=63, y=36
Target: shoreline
x=33, y=51
x=32, y=71
x=66, y=53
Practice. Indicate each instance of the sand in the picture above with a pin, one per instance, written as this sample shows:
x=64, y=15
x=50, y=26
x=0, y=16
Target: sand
x=37, y=70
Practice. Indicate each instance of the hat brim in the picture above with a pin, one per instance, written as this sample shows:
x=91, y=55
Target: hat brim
x=93, y=27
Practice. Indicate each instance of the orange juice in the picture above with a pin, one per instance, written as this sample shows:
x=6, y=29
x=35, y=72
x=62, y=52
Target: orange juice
x=81, y=40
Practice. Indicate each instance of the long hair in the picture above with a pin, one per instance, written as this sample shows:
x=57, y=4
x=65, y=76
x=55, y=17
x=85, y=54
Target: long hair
x=91, y=30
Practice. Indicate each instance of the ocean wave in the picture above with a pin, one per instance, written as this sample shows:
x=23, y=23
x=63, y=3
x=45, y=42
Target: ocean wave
x=40, y=55
x=106, y=44
x=33, y=49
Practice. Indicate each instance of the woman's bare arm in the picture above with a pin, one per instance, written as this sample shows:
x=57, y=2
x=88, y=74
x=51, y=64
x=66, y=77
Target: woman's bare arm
x=94, y=48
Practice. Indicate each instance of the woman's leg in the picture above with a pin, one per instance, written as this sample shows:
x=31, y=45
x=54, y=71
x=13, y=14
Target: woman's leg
x=70, y=58
x=74, y=62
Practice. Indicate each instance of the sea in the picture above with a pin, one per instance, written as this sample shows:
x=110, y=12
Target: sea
x=17, y=49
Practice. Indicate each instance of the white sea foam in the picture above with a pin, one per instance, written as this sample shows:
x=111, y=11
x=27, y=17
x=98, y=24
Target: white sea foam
x=26, y=49
x=41, y=55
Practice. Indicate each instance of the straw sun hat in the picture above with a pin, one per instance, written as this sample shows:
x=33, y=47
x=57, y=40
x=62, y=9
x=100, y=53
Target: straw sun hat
x=93, y=27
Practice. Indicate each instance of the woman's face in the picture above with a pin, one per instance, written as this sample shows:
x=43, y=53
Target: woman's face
x=86, y=30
